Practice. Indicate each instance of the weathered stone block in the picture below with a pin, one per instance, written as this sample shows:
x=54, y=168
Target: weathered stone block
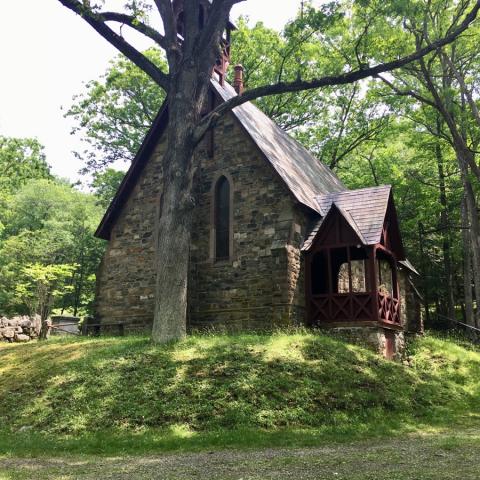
x=20, y=337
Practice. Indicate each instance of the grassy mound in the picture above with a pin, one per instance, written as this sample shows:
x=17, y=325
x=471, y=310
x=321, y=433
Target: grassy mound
x=227, y=390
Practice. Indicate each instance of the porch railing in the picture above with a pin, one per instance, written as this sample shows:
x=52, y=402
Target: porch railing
x=341, y=307
x=353, y=307
x=388, y=308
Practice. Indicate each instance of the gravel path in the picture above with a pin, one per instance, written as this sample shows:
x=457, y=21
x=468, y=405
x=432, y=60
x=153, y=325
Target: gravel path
x=435, y=457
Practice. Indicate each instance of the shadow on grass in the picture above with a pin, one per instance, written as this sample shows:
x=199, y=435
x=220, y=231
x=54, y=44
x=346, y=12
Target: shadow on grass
x=110, y=396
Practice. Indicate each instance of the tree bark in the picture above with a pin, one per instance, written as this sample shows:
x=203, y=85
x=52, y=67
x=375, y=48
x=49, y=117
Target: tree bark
x=444, y=224
x=176, y=208
x=474, y=221
x=467, y=267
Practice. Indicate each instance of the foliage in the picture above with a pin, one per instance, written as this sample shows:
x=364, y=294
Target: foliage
x=49, y=224
x=42, y=285
x=114, y=113
x=21, y=159
x=105, y=185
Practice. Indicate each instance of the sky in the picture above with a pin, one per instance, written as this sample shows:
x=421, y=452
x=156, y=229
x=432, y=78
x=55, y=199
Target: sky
x=47, y=53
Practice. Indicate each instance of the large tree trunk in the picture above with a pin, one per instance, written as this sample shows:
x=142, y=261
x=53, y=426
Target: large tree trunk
x=472, y=211
x=467, y=267
x=174, y=227
x=176, y=207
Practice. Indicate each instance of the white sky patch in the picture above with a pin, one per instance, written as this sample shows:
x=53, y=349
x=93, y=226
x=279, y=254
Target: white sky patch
x=47, y=53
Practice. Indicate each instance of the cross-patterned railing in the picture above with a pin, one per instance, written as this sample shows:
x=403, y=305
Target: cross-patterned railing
x=388, y=308
x=353, y=307
x=341, y=307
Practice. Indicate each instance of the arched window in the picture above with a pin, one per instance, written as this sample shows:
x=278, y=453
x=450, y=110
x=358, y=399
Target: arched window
x=222, y=219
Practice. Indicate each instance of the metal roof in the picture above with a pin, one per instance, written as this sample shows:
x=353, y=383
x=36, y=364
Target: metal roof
x=408, y=265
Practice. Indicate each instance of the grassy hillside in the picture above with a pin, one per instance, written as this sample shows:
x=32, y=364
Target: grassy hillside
x=125, y=393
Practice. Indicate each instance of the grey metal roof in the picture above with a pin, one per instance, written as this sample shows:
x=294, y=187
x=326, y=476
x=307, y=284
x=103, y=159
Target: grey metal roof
x=305, y=176
x=364, y=209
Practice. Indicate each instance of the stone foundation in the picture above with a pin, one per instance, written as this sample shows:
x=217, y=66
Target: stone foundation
x=387, y=342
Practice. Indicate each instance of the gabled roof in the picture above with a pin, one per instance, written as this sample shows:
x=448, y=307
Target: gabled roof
x=304, y=175
x=363, y=209
x=367, y=207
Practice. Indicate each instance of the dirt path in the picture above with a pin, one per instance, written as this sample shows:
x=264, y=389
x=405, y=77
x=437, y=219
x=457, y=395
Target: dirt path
x=435, y=457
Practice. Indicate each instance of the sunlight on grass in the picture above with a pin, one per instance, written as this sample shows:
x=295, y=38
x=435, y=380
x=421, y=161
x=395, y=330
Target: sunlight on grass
x=209, y=388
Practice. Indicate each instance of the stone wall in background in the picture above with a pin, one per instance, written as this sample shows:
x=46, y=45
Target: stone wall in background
x=19, y=329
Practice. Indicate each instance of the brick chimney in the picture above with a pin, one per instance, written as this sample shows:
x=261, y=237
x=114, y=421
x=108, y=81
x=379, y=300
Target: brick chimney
x=238, y=79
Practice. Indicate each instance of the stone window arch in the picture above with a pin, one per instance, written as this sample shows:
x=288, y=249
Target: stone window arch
x=222, y=225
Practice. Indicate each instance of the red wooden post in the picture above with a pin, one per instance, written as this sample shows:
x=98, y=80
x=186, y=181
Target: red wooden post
x=330, y=280
x=373, y=282
x=396, y=291
x=350, y=293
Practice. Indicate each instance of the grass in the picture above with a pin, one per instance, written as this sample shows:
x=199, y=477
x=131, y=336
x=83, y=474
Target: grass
x=111, y=396
x=426, y=457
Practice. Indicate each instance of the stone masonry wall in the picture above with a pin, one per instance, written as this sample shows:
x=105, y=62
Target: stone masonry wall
x=260, y=287
x=410, y=304
x=126, y=277
x=19, y=329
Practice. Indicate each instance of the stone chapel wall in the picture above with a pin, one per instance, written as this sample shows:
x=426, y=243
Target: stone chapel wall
x=260, y=287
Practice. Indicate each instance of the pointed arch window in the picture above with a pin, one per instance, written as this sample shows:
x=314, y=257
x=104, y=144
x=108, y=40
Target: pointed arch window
x=222, y=218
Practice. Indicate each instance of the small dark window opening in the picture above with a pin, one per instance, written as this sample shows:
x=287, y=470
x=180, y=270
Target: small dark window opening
x=320, y=274
x=201, y=17
x=222, y=219
x=181, y=23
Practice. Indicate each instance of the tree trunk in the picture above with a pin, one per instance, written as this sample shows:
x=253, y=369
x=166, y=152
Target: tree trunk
x=444, y=224
x=44, y=314
x=425, y=272
x=176, y=210
x=173, y=248
x=467, y=267
x=472, y=211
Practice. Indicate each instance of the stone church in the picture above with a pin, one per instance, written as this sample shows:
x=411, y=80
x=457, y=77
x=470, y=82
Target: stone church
x=278, y=239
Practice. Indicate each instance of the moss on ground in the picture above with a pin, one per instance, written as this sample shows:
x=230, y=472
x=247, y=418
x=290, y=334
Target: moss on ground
x=110, y=395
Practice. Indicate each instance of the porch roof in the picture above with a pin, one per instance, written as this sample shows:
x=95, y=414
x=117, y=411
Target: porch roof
x=364, y=210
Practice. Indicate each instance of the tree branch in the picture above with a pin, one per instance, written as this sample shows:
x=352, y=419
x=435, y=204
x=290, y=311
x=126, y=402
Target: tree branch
x=134, y=23
x=165, y=9
x=407, y=93
x=98, y=24
x=210, y=120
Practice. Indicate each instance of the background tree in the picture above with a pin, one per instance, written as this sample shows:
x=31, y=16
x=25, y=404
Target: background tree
x=48, y=222
x=114, y=113
x=190, y=55
x=41, y=285
x=440, y=90
x=21, y=159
